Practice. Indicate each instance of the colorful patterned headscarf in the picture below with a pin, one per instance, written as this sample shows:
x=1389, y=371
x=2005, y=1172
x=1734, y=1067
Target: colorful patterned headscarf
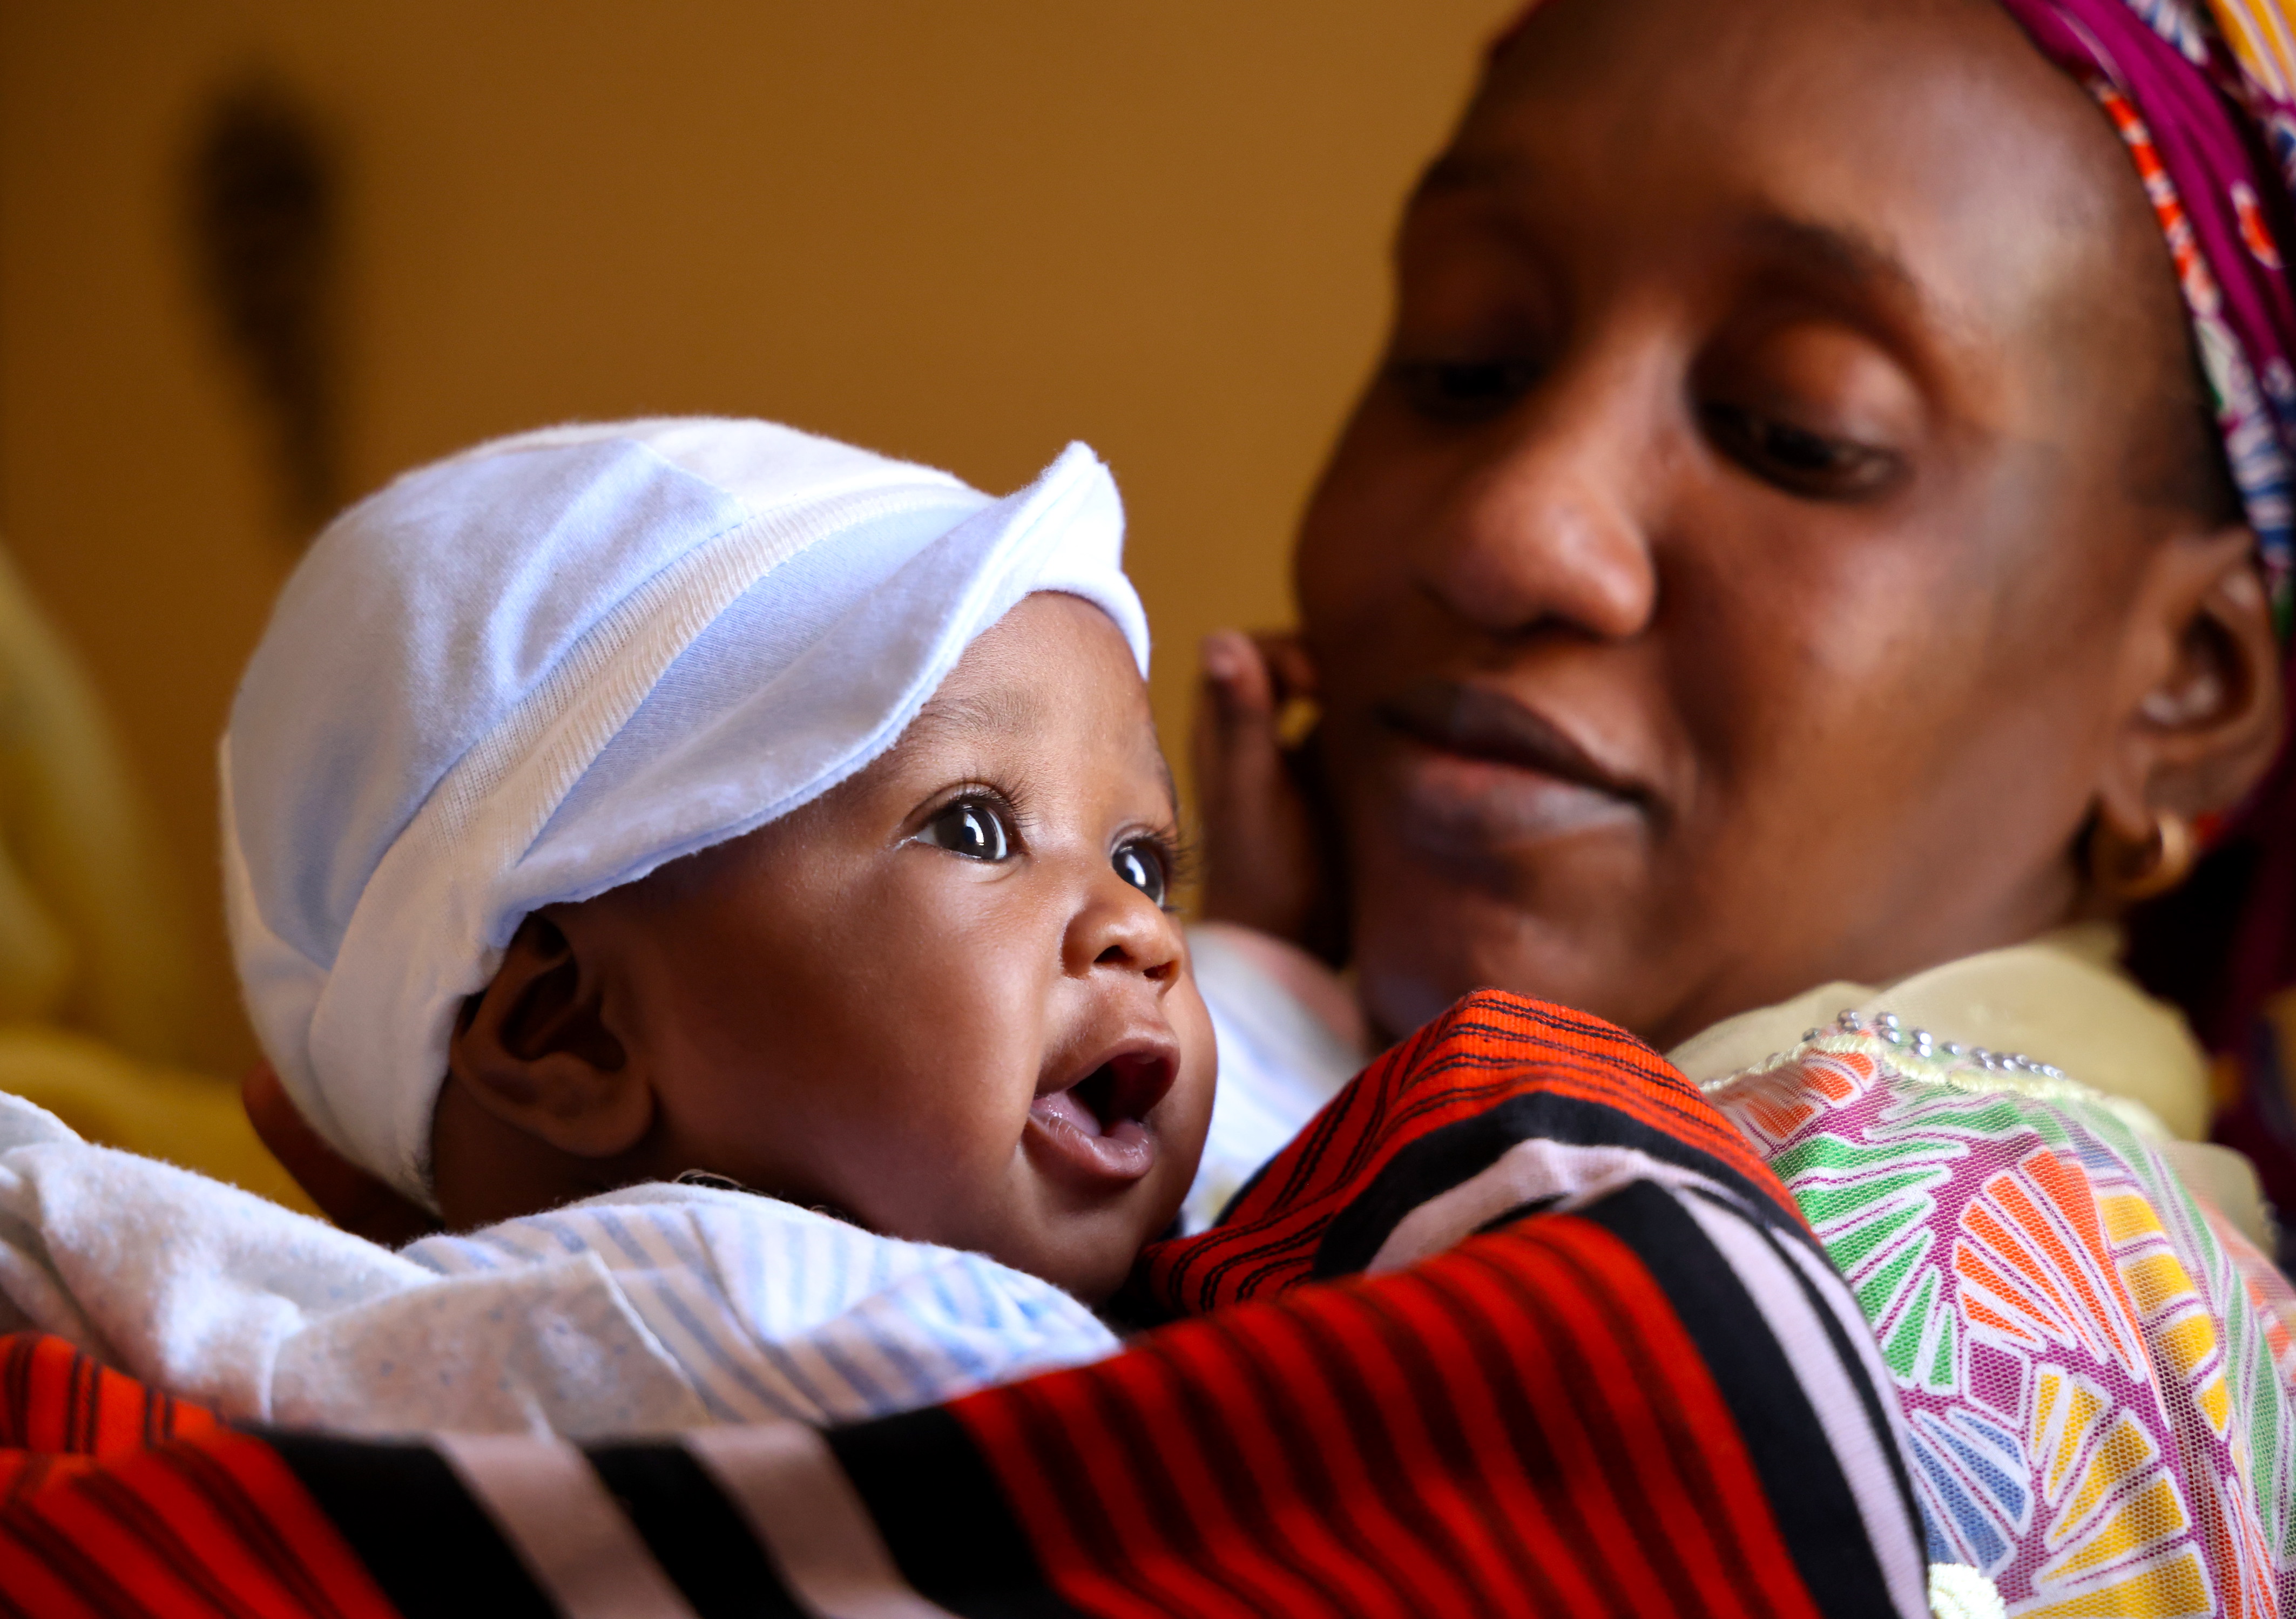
x=2206, y=103
x=2204, y=97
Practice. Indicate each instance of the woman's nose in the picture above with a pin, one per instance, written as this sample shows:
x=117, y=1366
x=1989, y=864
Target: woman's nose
x=1546, y=528
x=1121, y=930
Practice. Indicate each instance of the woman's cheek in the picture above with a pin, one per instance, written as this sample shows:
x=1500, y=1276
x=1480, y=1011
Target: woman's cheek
x=1354, y=540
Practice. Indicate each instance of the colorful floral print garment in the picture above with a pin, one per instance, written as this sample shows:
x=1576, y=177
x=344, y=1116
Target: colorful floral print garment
x=2099, y=1375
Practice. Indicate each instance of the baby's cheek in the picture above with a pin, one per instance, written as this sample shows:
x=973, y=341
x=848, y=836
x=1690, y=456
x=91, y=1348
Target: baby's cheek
x=1193, y=1092
x=943, y=1160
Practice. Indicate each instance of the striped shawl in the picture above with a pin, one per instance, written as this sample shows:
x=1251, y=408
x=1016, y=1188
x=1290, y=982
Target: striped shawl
x=1520, y=1325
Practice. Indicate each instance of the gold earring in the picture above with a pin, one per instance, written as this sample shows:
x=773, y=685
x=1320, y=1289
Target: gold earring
x=2133, y=871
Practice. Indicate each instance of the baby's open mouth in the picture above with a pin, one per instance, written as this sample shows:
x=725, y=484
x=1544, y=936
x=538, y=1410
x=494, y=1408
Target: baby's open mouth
x=1097, y=1123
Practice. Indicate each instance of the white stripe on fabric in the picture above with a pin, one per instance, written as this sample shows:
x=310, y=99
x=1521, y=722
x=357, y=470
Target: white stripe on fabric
x=673, y=1289
x=564, y=1526
x=1822, y=1282
x=799, y=1501
x=770, y=1311
x=680, y=1307
x=1525, y=1173
x=1831, y=1385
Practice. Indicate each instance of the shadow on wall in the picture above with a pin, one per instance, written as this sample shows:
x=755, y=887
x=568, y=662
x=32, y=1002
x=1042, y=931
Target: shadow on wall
x=264, y=193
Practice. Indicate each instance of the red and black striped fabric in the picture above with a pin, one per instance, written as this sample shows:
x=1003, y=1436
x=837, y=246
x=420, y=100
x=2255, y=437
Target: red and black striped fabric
x=118, y=1501
x=1444, y=1107
x=61, y=1412
x=1629, y=1390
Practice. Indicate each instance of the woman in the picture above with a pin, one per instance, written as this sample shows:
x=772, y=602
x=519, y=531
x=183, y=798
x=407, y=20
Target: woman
x=1783, y=564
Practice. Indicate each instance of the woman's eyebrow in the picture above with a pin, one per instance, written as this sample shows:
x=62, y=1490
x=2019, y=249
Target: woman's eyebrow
x=1839, y=252
x=1460, y=171
x=1867, y=281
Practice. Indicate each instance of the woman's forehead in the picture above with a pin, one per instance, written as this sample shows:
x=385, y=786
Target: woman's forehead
x=1914, y=169
x=1927, y=144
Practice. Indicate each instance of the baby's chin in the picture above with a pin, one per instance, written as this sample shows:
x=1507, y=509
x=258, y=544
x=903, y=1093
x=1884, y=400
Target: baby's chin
x=1088, y=1254
x=1102, y=1277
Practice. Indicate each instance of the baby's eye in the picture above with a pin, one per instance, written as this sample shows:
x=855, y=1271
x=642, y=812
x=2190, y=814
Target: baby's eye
x=973, y=828
x=1140, y=864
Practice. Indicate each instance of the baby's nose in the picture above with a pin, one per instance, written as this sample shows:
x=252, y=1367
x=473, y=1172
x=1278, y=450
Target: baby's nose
x=1121, y=930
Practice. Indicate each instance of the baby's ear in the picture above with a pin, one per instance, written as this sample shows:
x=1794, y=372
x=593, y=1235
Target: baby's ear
x=535, y=1048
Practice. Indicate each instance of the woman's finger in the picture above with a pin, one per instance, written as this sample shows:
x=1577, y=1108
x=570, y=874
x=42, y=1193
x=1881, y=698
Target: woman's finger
x=1260, y=864
x=1290, y=672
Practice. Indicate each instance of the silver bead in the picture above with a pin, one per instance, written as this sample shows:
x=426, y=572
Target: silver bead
x=1849, y=1023
x=2052, y=1071
x=1813, y=1033
x=1924, y=1045
x=1885, y=1020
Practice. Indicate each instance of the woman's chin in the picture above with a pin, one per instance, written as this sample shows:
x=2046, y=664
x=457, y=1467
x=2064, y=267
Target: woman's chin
x=1425, y=940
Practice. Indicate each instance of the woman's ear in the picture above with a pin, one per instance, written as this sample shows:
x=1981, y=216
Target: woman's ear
x=538, y=1051
x=2204, y=713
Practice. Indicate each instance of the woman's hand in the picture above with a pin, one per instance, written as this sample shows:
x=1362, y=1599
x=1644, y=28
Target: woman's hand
x=1264, y=833
x=354, y=1200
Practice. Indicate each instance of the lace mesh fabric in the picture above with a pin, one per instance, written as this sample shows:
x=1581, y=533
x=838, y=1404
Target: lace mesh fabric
x=2099, y=1375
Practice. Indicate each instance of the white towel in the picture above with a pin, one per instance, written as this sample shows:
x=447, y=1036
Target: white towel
x=651, y=1309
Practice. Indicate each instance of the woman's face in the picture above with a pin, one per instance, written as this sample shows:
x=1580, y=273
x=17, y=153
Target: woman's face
x=1719, y=589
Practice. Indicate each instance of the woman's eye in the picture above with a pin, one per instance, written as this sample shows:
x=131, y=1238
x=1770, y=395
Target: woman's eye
x=1142, y=864
x=1463, y=391
x=1796, y=458
x=973, y=828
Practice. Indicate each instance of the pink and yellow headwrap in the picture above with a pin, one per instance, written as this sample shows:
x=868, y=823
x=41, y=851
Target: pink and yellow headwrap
x=2205, y=101
x=2204, y=98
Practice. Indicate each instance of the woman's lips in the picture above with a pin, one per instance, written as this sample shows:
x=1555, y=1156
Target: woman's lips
x=1480, y=770
x=1095, y=1125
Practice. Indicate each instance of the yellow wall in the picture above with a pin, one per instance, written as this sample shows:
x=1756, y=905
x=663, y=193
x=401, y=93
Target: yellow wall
x=964, y=233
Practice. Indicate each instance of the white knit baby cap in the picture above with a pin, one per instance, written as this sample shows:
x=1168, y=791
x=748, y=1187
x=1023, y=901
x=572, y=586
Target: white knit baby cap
x=543, y=667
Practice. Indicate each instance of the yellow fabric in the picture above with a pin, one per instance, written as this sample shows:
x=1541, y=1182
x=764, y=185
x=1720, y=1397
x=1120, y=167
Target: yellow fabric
x=91, y=929
x=94, y=970
x=190, y=1119
x=2061, y=998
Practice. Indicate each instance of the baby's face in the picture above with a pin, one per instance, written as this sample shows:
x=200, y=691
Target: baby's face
x=947, y=999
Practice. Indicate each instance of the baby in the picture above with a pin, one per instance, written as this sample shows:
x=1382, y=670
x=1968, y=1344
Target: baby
x=725, y=874
x=945, y=1000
